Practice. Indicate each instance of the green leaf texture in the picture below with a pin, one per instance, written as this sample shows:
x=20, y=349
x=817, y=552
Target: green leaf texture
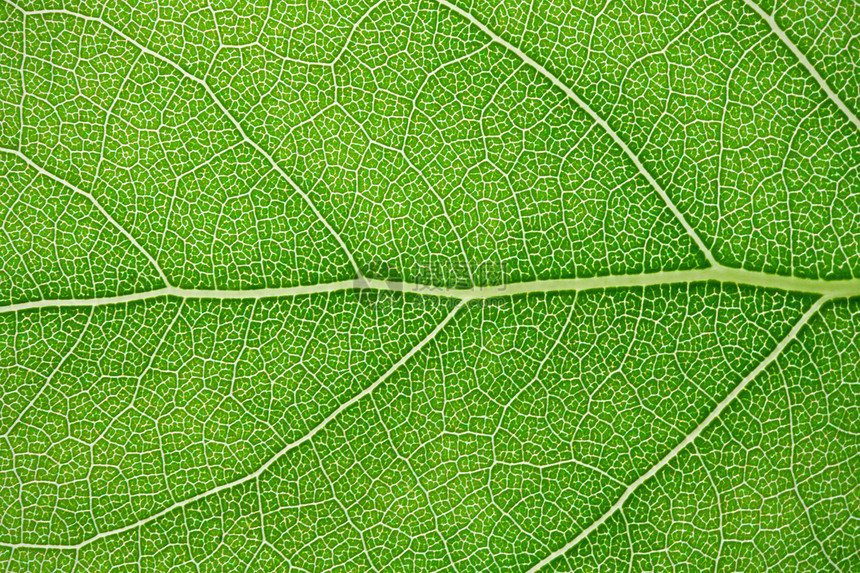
x=429, y=286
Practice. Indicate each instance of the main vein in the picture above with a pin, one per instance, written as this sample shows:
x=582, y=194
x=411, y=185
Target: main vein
x=688, y=439
x=831, y=289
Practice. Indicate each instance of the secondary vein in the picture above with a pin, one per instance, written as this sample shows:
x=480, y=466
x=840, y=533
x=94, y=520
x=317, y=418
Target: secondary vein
x=287, y=448
x=123, y=231
x=597, y=119
x=238, y=126
x=774, y=354
x=804, y=61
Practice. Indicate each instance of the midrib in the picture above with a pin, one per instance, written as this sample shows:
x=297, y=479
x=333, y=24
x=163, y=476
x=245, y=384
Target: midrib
x=830, y=289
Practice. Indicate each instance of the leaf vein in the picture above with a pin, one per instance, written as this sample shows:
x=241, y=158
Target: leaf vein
x=689, y=438
x=291, y=446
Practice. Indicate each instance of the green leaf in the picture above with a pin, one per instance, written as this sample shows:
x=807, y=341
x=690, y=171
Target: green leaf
x=429, y=286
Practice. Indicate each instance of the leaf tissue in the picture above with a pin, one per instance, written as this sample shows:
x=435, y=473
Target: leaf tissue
x=429, y=286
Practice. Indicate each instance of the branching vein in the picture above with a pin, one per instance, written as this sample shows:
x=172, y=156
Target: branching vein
x=834, y=97
x=599, y=120
x=217, y=101
x=287, y=448
x=689, y=439
x=96, y=204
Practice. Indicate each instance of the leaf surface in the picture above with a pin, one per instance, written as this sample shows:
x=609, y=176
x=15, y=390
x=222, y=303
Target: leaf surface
x=429, y=286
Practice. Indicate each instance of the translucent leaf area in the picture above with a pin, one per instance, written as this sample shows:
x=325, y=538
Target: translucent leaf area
x=429, y=286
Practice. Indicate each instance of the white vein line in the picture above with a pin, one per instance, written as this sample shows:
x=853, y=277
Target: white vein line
x=49, y=379
x=599, y=120
x=291, y=446
x=831, y=289
x=771, y=21
x=202, y=83
x=42, y=171
x=774, y=354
